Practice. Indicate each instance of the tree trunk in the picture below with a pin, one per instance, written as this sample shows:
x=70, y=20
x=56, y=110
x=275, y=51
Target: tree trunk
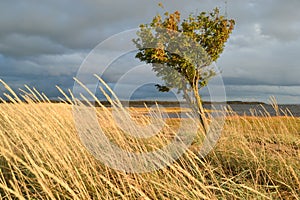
x=197, y=106
x=200, y=110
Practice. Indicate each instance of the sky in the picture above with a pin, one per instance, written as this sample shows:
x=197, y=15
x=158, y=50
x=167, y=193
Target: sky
x=44, y=43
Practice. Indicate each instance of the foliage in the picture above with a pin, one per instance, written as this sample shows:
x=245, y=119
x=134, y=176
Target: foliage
x=181, y=52
x=194, y=44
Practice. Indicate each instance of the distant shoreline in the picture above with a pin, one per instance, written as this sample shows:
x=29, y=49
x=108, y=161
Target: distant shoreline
x=239, y=107
x=166, y=103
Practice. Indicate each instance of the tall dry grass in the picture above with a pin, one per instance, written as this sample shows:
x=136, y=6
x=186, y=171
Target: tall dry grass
x=41, y=157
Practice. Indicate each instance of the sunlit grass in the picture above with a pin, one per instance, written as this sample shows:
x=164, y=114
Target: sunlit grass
x=42, y=157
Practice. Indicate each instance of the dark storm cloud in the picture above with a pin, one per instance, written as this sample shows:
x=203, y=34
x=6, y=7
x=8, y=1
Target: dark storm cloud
x=46, y=65
x=65, y=24
x=16, y=45
x=44, y=42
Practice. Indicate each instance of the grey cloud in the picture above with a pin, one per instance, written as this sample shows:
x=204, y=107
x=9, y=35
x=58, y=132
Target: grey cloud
x=269, y=62
x=72, y=24
x=42, y=84
x=44, y=42
x=143, y=92
x=16, y=45
x=41, y=66
x=277, y=19
x=263, y=93
x=282, y=20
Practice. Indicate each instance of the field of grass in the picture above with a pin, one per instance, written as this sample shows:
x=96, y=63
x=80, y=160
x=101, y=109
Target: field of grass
x=42, y=157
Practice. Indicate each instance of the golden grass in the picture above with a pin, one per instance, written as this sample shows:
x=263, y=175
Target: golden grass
x=41, y=157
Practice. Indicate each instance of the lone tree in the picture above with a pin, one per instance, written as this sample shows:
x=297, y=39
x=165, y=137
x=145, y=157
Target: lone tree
x=181, y=51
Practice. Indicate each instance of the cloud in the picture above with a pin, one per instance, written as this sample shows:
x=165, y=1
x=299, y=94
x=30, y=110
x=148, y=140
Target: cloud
x=283, y=94
x=270, y=63
x=72, y=24
x=42, y=72
x=16, y=45
x=43, y=43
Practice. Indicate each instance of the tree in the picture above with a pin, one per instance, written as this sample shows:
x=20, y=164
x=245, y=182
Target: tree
x=181, y=51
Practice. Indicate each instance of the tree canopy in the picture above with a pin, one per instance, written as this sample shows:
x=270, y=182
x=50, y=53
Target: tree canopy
x=181, y=51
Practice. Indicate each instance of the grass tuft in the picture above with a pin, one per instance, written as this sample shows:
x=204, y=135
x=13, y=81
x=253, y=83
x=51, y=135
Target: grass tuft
x=42, y=157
